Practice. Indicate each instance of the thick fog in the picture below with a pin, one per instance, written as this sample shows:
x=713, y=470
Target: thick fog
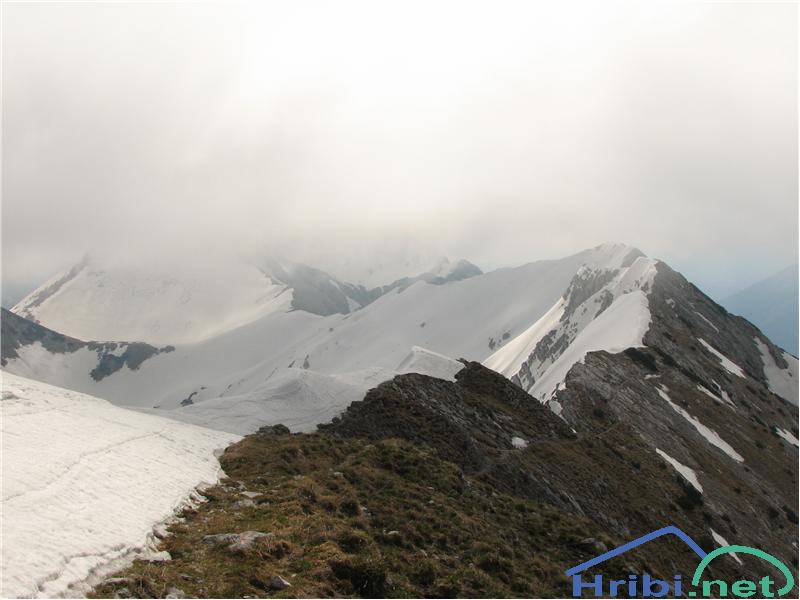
x=350, y=134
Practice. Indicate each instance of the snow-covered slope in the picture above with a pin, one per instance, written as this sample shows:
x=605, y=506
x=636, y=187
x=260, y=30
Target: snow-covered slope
x=98, y=301
x=300, y=398
x=532, y=323
x=467, y=318
x=297, y=398
x=85, y=481
x=420, y=360
x=93, y=302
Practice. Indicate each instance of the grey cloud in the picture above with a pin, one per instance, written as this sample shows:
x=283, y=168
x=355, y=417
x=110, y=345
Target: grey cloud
x=344, y=133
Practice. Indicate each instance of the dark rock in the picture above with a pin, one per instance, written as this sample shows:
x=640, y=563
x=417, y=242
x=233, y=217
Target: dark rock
x=273, y=430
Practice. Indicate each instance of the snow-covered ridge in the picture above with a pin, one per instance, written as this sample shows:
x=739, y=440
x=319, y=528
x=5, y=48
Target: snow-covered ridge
x=131, y=304
x=96, y=478
x=427, y=362
x=508, y=359
x=604, y=308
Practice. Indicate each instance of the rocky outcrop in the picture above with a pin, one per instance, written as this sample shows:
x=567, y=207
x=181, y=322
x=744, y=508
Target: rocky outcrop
x=600, y=461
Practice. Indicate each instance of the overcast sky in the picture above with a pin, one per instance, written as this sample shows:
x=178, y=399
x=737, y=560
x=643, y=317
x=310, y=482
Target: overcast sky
x=348, y=133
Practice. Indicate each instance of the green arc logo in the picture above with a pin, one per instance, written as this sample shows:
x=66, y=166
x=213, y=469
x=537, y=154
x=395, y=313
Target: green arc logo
x=745, y=550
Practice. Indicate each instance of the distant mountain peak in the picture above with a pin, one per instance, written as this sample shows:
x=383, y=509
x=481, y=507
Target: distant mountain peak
x=772, y=305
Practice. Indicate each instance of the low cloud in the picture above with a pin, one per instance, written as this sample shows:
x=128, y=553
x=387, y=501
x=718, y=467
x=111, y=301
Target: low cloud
x=349, y=133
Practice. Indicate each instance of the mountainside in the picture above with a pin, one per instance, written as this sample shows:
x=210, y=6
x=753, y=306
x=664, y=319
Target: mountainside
x=645, y=304
x=94, y=301
x=532, y=323
x=466, y=317
x=771, y=304
x=432, y=488
x=618, y=397
x=91, y=302
x=745, y=487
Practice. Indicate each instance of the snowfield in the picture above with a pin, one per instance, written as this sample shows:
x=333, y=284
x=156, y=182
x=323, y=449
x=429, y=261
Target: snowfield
x=782, y=382
x=456, y=320
x=84, y=482
x=301, y=399
x=128, y=304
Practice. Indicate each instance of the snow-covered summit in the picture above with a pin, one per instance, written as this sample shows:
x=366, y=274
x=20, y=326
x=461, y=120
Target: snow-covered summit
x=95, y=301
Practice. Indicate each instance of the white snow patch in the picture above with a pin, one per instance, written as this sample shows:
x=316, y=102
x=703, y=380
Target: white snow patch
x=427, y=362
x=519, y=442
x=687, y=472
x=788, y=436
x=84, y=482
x=622, y=325
x=710, y=435
x=555, y=407
x=724, y=399
x=721, y=541
x=727, y=363
x=707, y=321
x=782, y=382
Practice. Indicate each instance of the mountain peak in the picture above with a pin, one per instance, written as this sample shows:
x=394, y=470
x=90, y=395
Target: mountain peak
x=612, y=255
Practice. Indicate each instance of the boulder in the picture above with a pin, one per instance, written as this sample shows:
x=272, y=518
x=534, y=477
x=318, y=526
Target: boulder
x=277, y=582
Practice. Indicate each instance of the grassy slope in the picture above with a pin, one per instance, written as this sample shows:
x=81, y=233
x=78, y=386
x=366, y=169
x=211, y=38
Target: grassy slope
x=331, y=504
